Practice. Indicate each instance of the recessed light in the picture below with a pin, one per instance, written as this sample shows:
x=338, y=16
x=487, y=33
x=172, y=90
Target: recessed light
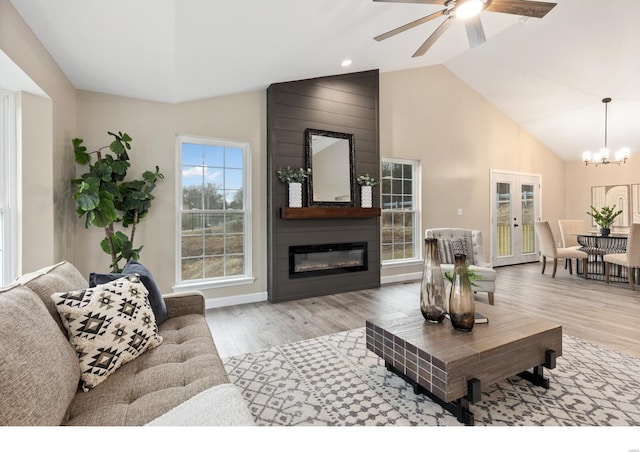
x=346, y=63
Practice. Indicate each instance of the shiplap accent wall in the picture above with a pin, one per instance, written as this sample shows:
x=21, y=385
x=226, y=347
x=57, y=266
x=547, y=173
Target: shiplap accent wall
x=343, y=103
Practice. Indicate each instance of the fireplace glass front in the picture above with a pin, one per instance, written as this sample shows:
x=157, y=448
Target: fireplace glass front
x=314, y=260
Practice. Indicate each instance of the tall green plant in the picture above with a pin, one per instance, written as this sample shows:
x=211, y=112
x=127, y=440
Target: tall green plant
x=105, y=199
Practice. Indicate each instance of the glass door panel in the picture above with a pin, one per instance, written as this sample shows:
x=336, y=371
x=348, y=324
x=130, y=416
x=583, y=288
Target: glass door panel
x=527, y=219
x=503, y=219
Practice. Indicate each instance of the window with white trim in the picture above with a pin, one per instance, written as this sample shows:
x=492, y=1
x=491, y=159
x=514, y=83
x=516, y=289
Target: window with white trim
x=214, y=218
x=400, y=210
x=8, y=195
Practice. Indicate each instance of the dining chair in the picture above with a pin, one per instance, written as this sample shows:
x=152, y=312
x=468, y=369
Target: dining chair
x=549, y=249
x=630, y=259
x=569, y=231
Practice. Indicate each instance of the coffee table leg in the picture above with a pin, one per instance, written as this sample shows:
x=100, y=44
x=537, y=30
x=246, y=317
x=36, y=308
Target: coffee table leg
x=463, y=414
x=459, y=408
x=474, y=394
x=537, y=376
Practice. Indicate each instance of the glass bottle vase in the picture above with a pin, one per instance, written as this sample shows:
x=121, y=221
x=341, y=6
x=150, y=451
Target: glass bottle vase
x=462, y=309
x=432, y=293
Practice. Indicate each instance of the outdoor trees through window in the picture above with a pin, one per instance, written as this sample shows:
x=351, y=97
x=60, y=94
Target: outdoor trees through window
x=213, y=232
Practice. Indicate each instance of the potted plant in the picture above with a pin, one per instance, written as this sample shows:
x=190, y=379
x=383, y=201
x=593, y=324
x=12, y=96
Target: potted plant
x=294, y=177
x=105, y=199
x=604, y=218
x=366, y=186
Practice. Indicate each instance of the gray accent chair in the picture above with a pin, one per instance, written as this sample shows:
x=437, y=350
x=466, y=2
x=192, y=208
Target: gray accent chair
x=477, y=263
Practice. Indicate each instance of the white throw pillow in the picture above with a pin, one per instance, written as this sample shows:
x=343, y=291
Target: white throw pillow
x=108, y=325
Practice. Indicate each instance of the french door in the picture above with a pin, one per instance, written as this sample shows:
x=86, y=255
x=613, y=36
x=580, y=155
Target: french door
x=515, y=208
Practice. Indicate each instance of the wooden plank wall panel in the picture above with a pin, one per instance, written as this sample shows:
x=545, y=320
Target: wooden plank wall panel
x=343, y=103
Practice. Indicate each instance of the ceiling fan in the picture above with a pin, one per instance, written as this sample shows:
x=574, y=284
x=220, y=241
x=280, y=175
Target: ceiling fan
x=469, y=12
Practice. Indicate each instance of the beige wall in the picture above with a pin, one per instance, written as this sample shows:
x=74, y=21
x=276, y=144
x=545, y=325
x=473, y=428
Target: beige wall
x=154, y=127
x=429, y=114
x=581, y=178
x=35, y=178
x=54, y=159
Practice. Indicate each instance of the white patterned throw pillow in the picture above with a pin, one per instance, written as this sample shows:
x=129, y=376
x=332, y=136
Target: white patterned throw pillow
x=108, y=325
x=448, y=248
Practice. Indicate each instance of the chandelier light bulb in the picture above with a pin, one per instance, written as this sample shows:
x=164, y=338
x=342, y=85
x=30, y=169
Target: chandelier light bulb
x=469, y=9
x=604, y=154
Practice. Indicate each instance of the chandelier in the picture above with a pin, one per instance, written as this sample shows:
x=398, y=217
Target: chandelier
x=602, y=157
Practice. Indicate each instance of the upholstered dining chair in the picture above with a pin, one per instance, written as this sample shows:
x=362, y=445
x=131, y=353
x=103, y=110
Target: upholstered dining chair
x=549, y=249
x=630, y=259
x=569, y=231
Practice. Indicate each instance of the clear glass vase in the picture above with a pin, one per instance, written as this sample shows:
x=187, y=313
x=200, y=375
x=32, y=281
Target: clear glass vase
x=462, y=310
x=432, y=293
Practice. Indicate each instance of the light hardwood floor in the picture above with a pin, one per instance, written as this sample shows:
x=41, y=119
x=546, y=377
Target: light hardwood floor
x=604, y=314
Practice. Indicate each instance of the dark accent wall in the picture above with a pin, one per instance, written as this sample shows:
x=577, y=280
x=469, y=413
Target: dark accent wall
x=342, y=103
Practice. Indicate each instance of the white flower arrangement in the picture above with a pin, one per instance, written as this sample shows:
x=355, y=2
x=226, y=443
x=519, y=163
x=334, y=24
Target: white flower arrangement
x=289, y=175
x=367, y=181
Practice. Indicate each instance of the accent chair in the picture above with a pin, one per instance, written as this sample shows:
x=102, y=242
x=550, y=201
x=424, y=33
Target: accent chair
x=453, y=241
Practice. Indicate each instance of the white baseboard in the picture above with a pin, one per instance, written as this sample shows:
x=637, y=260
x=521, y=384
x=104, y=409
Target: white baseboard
x=211, y=303
x=400, y=278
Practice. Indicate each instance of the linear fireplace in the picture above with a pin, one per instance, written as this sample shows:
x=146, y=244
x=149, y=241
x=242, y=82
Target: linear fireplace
x=328, y=259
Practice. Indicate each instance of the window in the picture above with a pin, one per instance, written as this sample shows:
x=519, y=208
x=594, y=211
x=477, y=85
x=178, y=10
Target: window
x=214, y=216
x=400, y=219
x=8, y=257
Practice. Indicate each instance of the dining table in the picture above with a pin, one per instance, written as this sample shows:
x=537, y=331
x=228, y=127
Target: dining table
x=597, y=245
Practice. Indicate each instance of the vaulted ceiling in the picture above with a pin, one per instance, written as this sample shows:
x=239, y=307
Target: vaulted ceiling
x=549, y=75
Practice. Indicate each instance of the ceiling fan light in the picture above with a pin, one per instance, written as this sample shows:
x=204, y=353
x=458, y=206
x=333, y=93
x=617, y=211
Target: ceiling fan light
x=469, y=9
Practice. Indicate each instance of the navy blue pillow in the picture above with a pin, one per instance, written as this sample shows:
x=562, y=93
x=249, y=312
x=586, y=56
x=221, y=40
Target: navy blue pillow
x=155, y=296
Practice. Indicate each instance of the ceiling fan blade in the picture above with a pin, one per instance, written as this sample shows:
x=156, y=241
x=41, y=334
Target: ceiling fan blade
x=424, y=2
x=475, y=32
x=410, y=25
x=520, y=7
x=434, y=37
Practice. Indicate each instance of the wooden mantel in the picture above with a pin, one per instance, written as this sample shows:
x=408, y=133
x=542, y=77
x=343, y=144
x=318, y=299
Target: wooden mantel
x=301, y=213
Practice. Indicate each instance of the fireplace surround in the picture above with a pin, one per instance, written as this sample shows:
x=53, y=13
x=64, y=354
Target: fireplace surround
x=346, y=103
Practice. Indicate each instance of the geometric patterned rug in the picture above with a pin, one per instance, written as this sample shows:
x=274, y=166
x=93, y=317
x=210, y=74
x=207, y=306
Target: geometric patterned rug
x=335, y=381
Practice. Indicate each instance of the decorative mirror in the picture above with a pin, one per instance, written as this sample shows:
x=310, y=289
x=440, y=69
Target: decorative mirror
x=330, y=156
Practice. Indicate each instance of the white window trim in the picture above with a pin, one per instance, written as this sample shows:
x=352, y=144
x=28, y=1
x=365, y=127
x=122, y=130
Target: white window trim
x=8, y=204
x=202, y=284
x=417, y=233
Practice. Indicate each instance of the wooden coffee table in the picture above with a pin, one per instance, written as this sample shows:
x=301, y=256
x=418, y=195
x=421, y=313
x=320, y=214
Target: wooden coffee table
x=452, y=366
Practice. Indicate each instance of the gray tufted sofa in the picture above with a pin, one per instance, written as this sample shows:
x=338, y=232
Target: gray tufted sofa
x=487, y=280
x=39, y=370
